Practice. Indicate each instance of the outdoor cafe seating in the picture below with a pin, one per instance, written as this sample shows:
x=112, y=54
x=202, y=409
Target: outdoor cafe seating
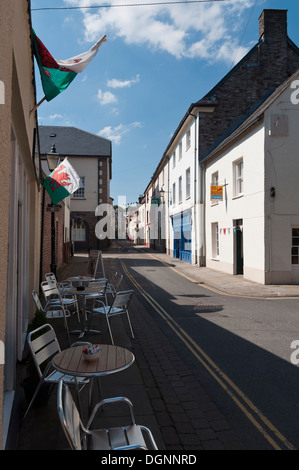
x=43, y=345
x=81, y=437
x=119, y=306
x=106, y=301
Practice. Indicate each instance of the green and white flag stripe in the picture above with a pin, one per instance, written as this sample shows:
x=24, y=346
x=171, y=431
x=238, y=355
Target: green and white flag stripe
x=56, y=75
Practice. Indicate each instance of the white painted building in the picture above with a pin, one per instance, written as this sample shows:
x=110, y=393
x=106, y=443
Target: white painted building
x=183, y=193
x=254, y=230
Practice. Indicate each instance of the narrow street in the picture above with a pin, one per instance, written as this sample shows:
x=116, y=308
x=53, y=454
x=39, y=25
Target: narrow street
x=237, y=347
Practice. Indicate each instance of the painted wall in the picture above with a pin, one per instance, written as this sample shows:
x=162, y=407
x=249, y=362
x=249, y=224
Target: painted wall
x=282, y=170
x=21, y=201
x=176, y=170
x=249, y=207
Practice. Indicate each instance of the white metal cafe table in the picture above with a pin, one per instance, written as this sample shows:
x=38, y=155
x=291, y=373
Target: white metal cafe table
x=112, y=359
x=82, y=292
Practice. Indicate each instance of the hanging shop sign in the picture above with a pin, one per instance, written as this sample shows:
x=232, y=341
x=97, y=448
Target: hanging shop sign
x=216, y=193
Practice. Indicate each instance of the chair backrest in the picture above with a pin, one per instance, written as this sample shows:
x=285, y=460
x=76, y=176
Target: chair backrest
x=100, y=284
x=43, y=346
x=50, y=277
x=37, y=301
x=50, y=288
x=122, y=299
x=116, y=280
x=69, y=416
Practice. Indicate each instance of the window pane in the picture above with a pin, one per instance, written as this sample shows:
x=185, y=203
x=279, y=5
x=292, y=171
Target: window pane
x=180, y=189
x=295, y=259
x=80, y=193
x=295, y=241
x=188, y=183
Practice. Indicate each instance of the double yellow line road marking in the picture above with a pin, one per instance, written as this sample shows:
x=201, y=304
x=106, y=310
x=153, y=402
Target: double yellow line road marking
x=255, y=416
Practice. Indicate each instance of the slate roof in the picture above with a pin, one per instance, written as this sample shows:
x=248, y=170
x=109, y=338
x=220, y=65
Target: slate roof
x=71, y=141
x=254, y=115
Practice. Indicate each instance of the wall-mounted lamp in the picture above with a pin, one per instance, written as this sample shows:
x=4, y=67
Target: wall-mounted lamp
x=162, y=194
x=272, y=192
x=52, y=158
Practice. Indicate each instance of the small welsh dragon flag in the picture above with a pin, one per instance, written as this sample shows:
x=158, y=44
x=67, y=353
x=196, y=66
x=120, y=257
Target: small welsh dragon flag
x=62, y=182
x=56, y=75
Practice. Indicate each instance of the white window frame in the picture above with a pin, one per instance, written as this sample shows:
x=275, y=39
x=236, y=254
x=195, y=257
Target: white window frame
x=188, y=183
x=180, y=189
x=238, y=174
x=80, y=193
x=173, y=194
x=214, y=182
x=215, y=178
x=215, y=240
x=173, y=160
x=180, y=151
x=79, y=231
x=188, y=138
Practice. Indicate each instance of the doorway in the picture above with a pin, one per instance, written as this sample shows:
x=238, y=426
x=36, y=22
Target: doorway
x=238, y=239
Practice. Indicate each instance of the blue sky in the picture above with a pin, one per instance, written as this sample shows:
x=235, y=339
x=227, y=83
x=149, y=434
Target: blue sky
x=158, y=59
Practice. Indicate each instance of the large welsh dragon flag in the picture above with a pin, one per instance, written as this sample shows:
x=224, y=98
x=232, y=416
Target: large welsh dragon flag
x=62, y=182
x=56, y=75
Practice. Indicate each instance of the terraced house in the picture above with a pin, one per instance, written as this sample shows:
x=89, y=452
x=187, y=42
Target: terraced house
x=195, y=235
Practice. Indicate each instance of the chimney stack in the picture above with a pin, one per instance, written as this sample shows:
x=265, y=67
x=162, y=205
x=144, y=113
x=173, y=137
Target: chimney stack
x=273, y=25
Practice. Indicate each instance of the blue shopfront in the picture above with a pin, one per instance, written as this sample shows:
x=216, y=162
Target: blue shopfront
x=182, y=235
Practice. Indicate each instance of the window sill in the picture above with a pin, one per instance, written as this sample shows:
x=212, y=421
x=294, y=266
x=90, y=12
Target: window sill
x=238, y=196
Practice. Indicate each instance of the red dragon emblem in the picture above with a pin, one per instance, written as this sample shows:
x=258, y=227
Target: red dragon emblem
x=47, y=60
x=59, y=178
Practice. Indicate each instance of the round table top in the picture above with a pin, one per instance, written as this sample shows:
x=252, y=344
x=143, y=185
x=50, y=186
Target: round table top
x=111, y=359
x=86, y=291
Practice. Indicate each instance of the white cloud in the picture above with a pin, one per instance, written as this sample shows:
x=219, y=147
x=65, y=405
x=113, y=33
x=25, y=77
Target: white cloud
x=209, y=31
x=116, y=83
x=116, y=133
x=106, y=97
x=55, y=116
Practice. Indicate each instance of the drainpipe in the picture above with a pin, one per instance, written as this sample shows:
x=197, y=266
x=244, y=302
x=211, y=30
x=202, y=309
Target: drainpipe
x=202, y=214
x=195, y=190
x=168, y=195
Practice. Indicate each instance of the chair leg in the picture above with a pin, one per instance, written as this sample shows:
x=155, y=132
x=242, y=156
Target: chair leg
x=33, y=398
x=130, y=324
x=109, y=328
x=78, y=313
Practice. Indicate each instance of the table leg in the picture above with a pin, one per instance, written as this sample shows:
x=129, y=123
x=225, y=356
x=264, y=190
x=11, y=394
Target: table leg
x=84, y=328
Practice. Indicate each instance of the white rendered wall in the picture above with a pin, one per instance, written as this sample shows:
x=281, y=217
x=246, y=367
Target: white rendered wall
x=249, y=207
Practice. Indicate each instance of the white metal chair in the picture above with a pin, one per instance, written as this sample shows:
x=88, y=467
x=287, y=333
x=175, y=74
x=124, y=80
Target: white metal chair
x=101, y=287
x=62, y=286
x=119, y=306
x=51, y=292
x=129, y=437
x=53, y=310
x=114, y=284
x=43, y=348
x=95, y=256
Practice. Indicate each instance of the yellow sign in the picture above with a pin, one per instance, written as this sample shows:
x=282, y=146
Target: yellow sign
x=216, y=193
